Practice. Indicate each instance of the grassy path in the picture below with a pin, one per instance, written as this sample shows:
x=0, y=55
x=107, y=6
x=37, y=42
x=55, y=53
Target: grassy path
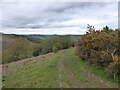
x=60, y=70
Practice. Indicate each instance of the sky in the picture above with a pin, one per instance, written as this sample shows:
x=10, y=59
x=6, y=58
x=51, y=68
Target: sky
x=57, y=17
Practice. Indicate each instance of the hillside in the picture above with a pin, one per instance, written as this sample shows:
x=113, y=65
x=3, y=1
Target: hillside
x=37, y=37
x=54, y=70
x=54, y=35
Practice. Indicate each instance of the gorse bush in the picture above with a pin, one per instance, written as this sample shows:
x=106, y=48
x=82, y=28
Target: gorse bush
x=100, y=48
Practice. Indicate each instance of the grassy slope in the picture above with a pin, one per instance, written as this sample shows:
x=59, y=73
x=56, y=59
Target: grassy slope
x=63, y=69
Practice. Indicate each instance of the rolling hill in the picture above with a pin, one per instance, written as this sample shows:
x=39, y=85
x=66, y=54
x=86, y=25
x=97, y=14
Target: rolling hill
x=54, y=70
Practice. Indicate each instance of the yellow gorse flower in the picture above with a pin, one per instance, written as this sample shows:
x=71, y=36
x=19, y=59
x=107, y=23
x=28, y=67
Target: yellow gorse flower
x=116, y=60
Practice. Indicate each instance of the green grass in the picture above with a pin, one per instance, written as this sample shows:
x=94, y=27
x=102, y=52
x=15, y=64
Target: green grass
x=55, y=70
x=100, y=72
x=36, y=73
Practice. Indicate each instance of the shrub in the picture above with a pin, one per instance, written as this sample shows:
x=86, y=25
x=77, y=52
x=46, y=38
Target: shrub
x=100, y=48
x=112, y=70
x=19, y=48
x=55, y=49
x=37, y=49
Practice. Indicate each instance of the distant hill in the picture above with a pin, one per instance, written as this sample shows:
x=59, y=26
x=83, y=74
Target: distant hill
x=74, y=37
x=37, y=37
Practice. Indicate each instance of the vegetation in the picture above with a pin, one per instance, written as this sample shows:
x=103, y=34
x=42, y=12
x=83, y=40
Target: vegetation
x=66, y=68
x=20, y=47
x=38, y=37
x=17, y=49
x=100, y=48
x=62, y=69
x=56, y=43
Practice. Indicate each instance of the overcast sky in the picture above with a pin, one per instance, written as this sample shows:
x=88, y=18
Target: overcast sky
x=57, y=17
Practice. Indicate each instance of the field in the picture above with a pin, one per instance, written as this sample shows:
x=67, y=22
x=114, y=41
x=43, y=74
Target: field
x=62, y=69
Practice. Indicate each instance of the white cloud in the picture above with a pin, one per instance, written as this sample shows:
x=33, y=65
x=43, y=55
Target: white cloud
x=58, y=18
x=67, y=30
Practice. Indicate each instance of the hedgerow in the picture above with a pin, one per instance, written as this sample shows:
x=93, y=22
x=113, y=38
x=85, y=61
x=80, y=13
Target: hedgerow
x=100, y=48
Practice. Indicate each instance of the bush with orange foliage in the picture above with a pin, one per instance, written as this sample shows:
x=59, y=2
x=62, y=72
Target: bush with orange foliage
x=100, y=48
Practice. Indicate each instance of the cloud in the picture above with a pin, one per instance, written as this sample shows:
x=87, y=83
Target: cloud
x=72, y=5
x=57, y=17
x=60, y=31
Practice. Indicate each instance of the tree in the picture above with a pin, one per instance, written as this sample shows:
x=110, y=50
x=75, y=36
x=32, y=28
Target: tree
x=106, y=28
x=90, y=29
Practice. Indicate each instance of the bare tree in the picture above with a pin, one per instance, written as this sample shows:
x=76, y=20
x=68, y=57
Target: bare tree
x=90, y=28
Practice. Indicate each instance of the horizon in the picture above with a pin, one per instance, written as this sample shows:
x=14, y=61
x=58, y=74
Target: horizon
x=54, y=33
x=39, y=34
